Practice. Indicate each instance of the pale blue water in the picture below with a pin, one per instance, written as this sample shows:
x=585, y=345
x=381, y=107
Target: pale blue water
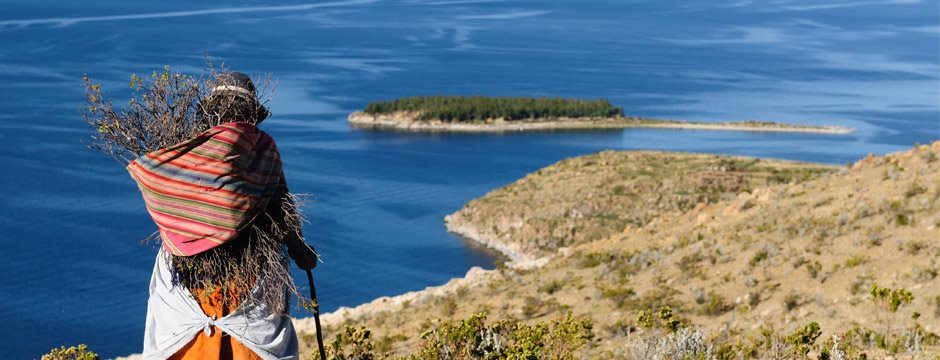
x=73, y=271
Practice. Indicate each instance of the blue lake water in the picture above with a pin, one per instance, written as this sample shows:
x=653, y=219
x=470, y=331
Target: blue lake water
x=73, y=271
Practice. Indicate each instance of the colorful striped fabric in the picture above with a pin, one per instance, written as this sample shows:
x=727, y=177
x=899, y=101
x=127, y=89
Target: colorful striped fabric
x=203, y=192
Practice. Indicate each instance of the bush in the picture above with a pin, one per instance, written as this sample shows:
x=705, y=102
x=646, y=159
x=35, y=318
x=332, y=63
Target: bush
x=892, y=299
x=619, y=295
x=855, y=261
x=663, y=318
x=804, y=338
x=350, y=343
x=472, y=338
x=79, y=352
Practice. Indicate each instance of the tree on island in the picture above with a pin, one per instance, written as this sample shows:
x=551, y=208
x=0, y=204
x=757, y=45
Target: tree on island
x=478, y=108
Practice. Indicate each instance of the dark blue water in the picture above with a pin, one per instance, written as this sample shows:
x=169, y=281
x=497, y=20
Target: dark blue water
x=71, y=266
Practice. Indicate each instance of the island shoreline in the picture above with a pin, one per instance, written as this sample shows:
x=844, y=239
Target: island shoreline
x=408, y=122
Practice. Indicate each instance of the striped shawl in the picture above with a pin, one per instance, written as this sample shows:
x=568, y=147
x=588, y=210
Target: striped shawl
x=203, y=192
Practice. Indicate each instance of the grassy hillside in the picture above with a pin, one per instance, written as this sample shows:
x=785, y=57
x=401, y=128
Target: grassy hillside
x=588, y=198
x=818, y=260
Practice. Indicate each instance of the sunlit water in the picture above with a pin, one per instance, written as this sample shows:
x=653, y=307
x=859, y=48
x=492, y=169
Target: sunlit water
x=72, y=268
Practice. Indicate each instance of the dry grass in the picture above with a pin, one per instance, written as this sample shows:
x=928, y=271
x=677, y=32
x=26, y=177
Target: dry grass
x=750, y=270
x=588, y=198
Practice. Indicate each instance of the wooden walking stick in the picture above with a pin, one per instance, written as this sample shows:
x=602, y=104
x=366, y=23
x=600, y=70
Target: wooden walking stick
x=316, y=314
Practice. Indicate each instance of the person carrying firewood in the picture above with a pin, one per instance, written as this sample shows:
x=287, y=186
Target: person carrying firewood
x=221, y=283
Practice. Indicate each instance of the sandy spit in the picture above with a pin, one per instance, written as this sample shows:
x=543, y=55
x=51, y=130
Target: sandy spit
x=403, y=123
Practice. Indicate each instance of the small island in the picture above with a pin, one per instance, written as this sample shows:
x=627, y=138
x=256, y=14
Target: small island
x=506, y=114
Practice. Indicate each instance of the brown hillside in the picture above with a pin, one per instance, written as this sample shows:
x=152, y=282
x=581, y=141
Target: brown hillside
x=588, y=198
x=769, y=258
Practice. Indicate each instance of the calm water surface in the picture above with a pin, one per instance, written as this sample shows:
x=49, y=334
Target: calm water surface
x=73, y=270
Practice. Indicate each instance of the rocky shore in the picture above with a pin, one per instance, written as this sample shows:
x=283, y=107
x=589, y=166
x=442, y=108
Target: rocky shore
x=474, y=278
x=518, y=258
x=407, y=122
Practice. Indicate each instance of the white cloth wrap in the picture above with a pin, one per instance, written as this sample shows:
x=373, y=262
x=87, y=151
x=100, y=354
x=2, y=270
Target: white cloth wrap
x=174, y=318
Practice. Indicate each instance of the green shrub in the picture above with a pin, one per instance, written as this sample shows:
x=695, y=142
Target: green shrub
x=855, y=261
x=892, y=299
x=350, y=343
x=889, y=301
x=472, y=338
x=619, y=295
x=79, y=352
x=662, y=318
x=804, y=338
x=902, y=220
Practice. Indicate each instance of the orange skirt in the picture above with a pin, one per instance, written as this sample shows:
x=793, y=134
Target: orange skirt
x=218, y=345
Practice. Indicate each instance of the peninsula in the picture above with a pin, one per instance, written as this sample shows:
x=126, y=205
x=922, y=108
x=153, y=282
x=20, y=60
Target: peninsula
x=732, y=257
x=509, y=114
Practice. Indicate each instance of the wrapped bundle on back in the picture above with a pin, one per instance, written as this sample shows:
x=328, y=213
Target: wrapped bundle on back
x=204, y=192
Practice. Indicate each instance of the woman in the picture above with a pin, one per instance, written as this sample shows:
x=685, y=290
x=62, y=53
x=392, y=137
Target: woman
x=221, y=283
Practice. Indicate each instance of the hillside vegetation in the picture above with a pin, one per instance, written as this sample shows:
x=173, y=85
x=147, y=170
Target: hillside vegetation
x=766, y=260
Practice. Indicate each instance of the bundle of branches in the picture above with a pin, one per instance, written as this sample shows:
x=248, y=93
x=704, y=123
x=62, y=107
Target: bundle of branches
x=165, y=109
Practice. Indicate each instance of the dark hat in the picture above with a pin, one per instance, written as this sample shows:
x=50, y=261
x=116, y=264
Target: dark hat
x=239, y=85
